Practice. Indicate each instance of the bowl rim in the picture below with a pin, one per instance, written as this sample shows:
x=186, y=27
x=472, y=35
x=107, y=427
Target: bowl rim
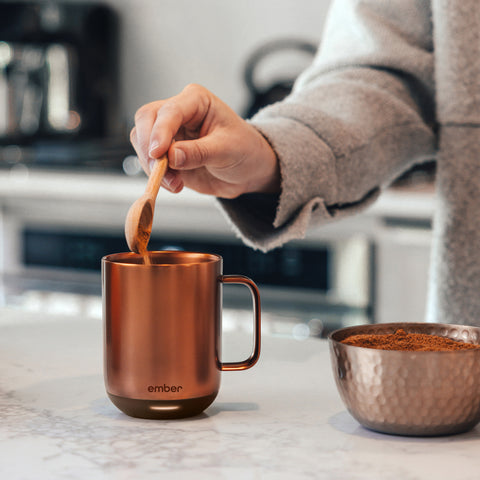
x=397, y=325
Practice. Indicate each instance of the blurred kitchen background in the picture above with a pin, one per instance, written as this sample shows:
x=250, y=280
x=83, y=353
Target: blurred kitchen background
x=72, y=76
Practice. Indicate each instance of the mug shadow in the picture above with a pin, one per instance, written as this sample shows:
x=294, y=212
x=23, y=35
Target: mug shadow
x=345, y=423
x=220, y=407
x=105, y=408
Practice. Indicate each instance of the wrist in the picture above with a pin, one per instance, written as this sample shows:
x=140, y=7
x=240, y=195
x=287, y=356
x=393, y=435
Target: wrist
x=268, y=176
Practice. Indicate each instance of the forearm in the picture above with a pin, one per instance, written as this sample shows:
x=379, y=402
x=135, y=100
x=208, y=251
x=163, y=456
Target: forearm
x=360, y=116
x=351, y=132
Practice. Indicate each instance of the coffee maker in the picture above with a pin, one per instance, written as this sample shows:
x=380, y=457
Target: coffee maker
x=58, y=81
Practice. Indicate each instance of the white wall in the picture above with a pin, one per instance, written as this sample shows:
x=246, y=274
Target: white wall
x=167, y=44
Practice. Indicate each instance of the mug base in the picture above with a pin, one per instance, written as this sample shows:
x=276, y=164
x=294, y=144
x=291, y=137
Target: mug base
x=162, y=409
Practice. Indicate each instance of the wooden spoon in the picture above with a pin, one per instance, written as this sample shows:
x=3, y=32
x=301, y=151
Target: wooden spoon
x=138, y=223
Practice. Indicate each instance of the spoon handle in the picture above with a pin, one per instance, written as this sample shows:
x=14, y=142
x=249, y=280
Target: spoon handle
x=155, y=178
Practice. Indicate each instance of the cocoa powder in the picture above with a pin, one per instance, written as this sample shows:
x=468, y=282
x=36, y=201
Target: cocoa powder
x=401, y=340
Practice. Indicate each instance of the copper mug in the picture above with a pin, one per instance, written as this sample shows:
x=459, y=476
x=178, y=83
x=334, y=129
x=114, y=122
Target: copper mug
x=162, y=331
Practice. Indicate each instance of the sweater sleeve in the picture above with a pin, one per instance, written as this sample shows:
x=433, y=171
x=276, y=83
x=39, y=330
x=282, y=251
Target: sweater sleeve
x=359, y=116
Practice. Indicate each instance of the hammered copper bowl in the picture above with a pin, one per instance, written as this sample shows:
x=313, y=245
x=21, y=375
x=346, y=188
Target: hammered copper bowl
x=409, y=393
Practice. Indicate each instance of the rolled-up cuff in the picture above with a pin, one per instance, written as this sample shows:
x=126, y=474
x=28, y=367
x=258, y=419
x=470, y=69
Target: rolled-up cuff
x=294, y=140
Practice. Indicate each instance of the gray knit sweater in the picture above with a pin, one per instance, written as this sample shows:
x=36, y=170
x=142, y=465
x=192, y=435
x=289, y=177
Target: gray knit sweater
x=393, y=83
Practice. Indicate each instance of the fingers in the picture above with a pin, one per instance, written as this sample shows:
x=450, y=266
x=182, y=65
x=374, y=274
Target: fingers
x=189, y=155
x=203, y=182
x=157, y=124
x=186, y=111
x=140, y=134
x=210, y=148
x=172, y=181
x=144, y=159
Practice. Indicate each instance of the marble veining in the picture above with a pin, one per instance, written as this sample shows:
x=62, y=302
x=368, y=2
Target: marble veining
x=281, y=420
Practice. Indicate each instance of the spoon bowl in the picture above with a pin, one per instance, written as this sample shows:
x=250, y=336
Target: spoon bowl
x=139, y=219
x=138, y=224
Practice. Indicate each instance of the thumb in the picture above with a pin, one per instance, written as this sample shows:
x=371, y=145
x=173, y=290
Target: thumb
x=192, y=154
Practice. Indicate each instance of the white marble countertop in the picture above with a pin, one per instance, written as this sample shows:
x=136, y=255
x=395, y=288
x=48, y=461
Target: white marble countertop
x=283, y=419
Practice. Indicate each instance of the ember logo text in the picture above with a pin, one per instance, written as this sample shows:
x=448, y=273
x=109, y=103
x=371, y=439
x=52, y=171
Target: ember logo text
x=164, y=388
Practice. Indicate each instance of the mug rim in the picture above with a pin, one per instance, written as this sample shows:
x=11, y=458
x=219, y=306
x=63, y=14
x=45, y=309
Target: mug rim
x=195, y=258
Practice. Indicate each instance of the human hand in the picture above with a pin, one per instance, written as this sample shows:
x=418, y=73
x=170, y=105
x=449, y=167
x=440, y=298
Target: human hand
x=210, y=148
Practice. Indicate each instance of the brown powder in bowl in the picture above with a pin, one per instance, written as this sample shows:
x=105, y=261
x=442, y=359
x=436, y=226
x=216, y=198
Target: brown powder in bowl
x=401, y=340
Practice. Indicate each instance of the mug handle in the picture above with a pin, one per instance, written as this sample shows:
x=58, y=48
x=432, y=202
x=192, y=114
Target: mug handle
x=253, y=358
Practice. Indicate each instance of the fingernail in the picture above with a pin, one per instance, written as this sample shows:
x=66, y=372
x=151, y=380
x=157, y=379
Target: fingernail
x=168, y=178
x=179, y=158
x=151, y=163
x=152, y=148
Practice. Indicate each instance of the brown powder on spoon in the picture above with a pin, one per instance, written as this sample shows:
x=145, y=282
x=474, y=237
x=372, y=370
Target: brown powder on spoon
x=142, y=242
x=401, y=340
x=143, y=235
